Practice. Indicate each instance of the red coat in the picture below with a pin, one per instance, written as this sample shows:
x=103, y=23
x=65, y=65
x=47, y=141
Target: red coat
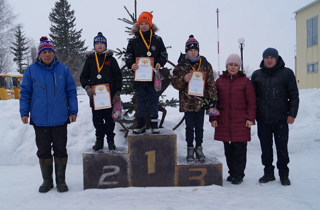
x=236, y=104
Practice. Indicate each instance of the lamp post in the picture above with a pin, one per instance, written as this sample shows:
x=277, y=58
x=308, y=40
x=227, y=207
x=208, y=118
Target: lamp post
x=241, y=42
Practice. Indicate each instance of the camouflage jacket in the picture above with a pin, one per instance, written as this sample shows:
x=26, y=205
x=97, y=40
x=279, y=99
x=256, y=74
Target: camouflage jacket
x=190, y=103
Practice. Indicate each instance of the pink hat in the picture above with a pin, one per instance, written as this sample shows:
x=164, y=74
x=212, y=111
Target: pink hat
x=233, y=58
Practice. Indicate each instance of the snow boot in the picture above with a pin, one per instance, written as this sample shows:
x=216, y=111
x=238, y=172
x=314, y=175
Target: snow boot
x=99, y=143
x=229, y=178
x=190, y=154
x=60, y=169
x=266, y=178
x=46, y=170
x=154, y=126
x=141, y=126
x=199, y=154
x=111, y=146
x=237, y=180
x=285, y=181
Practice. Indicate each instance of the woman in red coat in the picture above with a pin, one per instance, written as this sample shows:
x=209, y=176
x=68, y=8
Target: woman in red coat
x=237, y=107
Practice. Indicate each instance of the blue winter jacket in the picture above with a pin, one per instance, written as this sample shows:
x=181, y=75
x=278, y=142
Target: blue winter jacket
x=48, y=93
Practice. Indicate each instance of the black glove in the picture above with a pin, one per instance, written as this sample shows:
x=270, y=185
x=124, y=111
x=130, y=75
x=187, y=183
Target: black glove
x=212, y=102
x=208, y=103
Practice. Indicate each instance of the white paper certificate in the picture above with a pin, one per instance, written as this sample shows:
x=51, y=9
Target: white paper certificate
x=102, y=98
x=145, y=71
x=197, y=83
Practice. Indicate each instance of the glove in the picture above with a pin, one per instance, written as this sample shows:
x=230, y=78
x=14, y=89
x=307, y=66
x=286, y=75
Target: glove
x=90, y=92
x=205, y=104
x=116, y=97
x=212, y=102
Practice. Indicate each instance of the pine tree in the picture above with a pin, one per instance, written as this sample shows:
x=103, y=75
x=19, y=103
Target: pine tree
x=128, y=76
x=20, y=49
x=67, y=41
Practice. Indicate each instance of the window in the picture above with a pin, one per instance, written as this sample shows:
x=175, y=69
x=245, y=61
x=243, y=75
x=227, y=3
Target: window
x=312, y=32
x=312, y=68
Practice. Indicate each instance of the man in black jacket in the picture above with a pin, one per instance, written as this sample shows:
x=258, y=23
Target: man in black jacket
x=277, y=106
x=102, y=68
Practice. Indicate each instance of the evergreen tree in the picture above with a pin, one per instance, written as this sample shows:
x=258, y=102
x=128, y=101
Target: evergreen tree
x=67, y=41
x=128, y=76
x=20, y=49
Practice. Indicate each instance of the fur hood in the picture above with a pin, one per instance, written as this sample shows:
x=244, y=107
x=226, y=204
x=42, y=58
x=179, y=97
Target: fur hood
x=135, y=28
x=91, y=53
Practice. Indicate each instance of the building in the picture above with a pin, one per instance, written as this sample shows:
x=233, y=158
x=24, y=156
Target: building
x=308, y=47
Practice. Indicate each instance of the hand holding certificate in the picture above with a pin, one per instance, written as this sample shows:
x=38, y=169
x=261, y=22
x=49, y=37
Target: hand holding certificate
x=197, y=84
x=145, y=71
x=102, y=98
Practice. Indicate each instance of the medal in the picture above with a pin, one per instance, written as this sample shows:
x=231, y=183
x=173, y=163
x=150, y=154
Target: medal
x=145, y=43
x=97, y=62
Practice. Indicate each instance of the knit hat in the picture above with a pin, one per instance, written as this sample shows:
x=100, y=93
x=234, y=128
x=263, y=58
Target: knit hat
x=100, y=38
x=233, y=58
x=145, y=17
x=45, y=44
x=192, y=43
x=270, y=52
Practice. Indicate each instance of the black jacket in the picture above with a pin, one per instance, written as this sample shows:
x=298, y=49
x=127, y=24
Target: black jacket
x=136, y=48
x=276, y=92
x=110, y=72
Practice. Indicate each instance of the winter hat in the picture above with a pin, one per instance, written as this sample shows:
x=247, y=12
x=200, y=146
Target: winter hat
x=100, y=38
x=192, y=43
x=145, y=17
x=45, y=44
x=233, y=58
x=270, y=52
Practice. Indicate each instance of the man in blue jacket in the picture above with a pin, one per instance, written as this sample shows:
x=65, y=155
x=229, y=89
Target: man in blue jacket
x=48, y=94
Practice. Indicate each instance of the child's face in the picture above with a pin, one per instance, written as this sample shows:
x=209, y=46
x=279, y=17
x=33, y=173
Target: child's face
x=233, y=68
x=99, y=47
x=192, y=53
x=144, y=26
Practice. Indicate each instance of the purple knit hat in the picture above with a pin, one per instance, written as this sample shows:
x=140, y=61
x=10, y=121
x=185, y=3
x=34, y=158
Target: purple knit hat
x=233, y=58
x=192, y=43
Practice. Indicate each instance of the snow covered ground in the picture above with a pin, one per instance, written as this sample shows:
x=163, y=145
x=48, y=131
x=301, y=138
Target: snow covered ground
x=20, y=174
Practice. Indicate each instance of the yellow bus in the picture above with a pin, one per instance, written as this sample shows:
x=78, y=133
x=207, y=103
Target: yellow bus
x=17, y=80
x=6, y=87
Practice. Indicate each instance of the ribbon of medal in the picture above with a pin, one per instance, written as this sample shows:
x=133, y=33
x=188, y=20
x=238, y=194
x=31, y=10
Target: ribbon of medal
x=145, y=43
x=192, y=66
x=97, y=62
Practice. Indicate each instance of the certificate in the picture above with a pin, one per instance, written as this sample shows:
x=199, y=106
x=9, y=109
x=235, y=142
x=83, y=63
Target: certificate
x=102, y=97
x=145, y=71
x=197, y=83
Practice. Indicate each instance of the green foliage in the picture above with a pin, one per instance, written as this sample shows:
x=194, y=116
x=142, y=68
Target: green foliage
x=65, y=38
x=20, y=49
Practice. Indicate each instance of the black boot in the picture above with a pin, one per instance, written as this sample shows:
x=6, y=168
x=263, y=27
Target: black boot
x=190, y=154
x=111, y=146
x=141, y=126
x=99, y=143
x=199, y=154
x=154, y=126
x=285, y=181
x=46, y=170
x=267, y=178
x=110, y=140
x=60, y=169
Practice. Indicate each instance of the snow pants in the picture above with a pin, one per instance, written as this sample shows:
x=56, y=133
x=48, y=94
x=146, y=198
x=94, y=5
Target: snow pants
x=146, y=94
x=103, y=123
x=236, y=156
x=194, y=127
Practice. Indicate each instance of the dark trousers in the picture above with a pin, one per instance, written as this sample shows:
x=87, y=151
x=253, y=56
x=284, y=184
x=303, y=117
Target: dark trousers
x=280, y=131
x=236, y=156
x=54, y=137
x=147, y=95
x=103, y=123
x=194, y=125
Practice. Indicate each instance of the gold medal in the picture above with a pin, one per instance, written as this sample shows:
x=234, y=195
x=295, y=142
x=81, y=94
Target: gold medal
x=145, y=43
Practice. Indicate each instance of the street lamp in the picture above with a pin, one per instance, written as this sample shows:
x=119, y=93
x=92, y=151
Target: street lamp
x=241, y=42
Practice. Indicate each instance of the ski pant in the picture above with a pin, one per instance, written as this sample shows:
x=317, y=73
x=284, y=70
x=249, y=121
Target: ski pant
x=280, y=131
x=236, y=156
x=54, y=137
x=103, y=123
x=194, y=126
x=146, y=94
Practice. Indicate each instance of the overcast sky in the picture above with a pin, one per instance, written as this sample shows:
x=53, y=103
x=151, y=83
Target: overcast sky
x=262, y=24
